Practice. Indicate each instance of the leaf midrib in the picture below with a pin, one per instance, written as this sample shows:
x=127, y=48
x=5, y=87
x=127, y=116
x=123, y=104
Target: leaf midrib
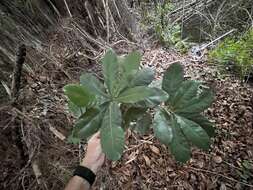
x=110, y=124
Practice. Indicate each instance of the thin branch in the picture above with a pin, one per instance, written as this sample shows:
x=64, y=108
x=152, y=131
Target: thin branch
x=106, y=6
x=68, y=8
x=7, y=89
x=182, y=21
x=36, y=171
x=221, y=175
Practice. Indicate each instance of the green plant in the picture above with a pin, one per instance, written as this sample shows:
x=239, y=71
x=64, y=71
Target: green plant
x=235, y=54
x=245, y=171
x=179, y=123
x=101, y=106
x=124, y=101
x=168, y=32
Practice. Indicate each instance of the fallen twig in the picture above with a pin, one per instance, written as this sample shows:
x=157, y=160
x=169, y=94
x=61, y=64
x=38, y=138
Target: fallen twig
x=57, y=133
x=37, y=171
x=67, y=7
x=221, y=175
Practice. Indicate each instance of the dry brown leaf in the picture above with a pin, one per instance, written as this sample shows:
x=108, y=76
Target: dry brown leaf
x=154, y=149
x=217, y=159
x=200, y=164
x=132, y=157
x=173, y=174
x=147, y=160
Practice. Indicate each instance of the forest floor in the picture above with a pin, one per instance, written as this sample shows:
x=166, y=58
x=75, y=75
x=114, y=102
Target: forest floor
x=146, y=164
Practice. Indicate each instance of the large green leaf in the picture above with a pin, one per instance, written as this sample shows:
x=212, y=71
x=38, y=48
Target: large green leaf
x=157, y=97
x=111, y=69
x=202, y=121
x=79, y=95
x=83, y=124
x=194, y=133
x=197, y=104
x=142, y=93
x=90, y=113
x=86, y=117
x=129, y=66
x=89, y=123
x=141, y=77
x=91, y=127
x=162, y=127
x=133, y=95
x=143, y=124
x=179, y=146
x=75, y=110
x=131, y=62
x=92, y=84
x=112, y=135
x=185, y=93
x=172, y=79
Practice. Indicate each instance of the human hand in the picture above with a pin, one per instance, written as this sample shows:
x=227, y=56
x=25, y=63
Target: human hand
x=94, y=157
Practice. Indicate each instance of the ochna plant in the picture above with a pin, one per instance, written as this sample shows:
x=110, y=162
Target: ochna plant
x=179, y=123
x=125, y=99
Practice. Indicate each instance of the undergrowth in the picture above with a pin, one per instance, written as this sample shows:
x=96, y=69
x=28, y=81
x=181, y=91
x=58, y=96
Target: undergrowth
x=167, y=31
x=235, y=54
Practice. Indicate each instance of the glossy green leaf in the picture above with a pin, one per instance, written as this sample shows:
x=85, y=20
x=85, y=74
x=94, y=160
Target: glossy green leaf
x=123, y=83
x=157, y=97
x=143, y=124
x=90, y=113
x=111, y=69
x=129, y=66
x=91, y=83
x=194, y=133
x=197, y=104
x=131, y=62
x=185, y=93
x=112, y=135
x=162, y=127
x=172, y=79
x=179, y=146
x=133, y=95
x=202, y=121
x=92, y=127
x=84, y=119
x=75, y=110
x=141, y=93
x=142, y=77
x=79, y=95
